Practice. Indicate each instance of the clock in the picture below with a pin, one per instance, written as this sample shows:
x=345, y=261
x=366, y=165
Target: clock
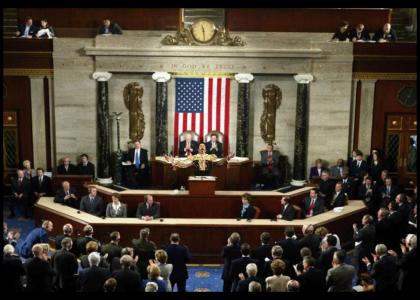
x=407, y=96
x=203, y=30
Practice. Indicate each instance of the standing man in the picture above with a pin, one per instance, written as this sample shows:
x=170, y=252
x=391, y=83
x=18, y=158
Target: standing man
x=92, y=203
x=137, y=158
x=214, y=147
x=288, y=211
x=86, y=167
x=364, y=242
x=36, y=236
x=65, y=266
x=270, y=164
x=178, y=256
x=41, y=184
x=21, y=190
x=358, y=167
x=340, y=276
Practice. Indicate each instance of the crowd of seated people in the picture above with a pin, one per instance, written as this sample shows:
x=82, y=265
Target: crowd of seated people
x=361, y=34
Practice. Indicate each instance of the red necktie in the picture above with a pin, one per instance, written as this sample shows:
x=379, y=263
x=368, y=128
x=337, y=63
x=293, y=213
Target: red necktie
x=312, y=205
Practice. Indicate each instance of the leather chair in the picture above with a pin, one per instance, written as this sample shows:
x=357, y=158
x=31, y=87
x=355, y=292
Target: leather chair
x=257, y=212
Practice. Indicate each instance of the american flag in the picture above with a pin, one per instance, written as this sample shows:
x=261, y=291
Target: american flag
x=202, y=105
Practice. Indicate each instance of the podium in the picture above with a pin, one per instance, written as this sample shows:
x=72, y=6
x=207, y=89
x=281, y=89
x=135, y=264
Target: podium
x=201, y=185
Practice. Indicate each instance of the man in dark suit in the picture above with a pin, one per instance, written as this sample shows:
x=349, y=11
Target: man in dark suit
x=112, y=249
x=27, y=30
x=247, y=210
x=386, y=34
x=316, y=171
x=67, y=195
x=21, y=190
x=387, y=193
x=67, y=232
x=92, y=279
x=41, y=184
x=239, y=265
x=85, y=166
x=128, y=280
x=339, y=198
x=325, y=259
x=311, y=280
x=178, y=256
x=407, y=264
x=137, y=158
x=145, y=250
x=358, y=167
x=83, y=240
x=109, y=28
x=13, y=269
x=383, y=228
x=397, y=226
x=92, y=203
x=365, y=242
x=65, y=266
x=67, y=168
x=148, y=210
x=270, y=164
x=313, y=205
x=326, y=188
x=40, y=274
x=340, y=276
x=214, y=147
x=231, y=252
x=290, y=245
x=288, y=211
x=188, y=146
x=339, y=169
x=367, y=193
x=36, y=236
x=262, y=252
x=359, y=34
x=310, y=240
x=349, y=186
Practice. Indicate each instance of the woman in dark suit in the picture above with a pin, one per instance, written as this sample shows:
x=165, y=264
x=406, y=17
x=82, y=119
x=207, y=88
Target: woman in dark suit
x=247, y=210
x=375, y=167
x=116, y=209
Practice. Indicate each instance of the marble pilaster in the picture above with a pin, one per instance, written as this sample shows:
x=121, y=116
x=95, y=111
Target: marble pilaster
x=242, y=133
x=161, y=137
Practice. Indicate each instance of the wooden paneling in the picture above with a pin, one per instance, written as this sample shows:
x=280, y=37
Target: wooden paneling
x=27, y=54
x=19, y=99
x=302, y=20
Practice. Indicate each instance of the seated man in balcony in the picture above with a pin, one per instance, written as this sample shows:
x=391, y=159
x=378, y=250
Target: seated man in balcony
x=148, y=210
x=67, y=168
x=108, y=28
x=313, y=204
x=214, y=147
x=386, y=34
x=67, y=195
x=188, y=146
x=270, y=164
x=27, y=30
x=359, y=34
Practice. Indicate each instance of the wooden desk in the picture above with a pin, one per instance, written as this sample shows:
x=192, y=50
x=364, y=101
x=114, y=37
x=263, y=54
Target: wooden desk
x=204, y=237
x=224, y=204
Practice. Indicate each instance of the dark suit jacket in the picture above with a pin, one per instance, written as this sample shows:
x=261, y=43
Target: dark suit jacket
x=230, y=253
x=385, y=273
x=153, y=211
x=58, y=240
x=341, y=36
x=382, y=194
x=397, y=225
x=114, y=28
x=81, y=244
x=314, y=172
x=324, y=261
x=288, y=271
x=59, y=198
x=382, y=232
x=39, y=276
x=178, y=256
x=366, y=236
x=92, y=279
x=32, y=30
x=127, y=281
x=218, y=152
x=349, y=187
x=143, y=157
x=248, y=214
x=340, y=278
x=275, y=162
x=339, y=201
x=356, y=171
x=390, y=37
x=327, y=188
x=409, y=270
x=312, y=281
x=72, y=170
x=24, y=187
x=364, y=35
x=288, y=213
x=290, y=250
x=89, y=169
x=145, y=250
x=96, y=208
x=260, y=254
x=312, y=241
x=375, y=171
x=112, y=249
x=243, y=285
x=318, y=208
x=65, y=265
x=13, y=268
x=239, y=266
x=43, y=187
x=183, y=144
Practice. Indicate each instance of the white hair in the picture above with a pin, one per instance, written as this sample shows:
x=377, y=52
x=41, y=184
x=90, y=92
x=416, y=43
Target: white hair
x=411, y=240
x=381, y=249
x=151, y=287
x=8, y=249
x=251, y=269
x=94, y=258
x=254, y=287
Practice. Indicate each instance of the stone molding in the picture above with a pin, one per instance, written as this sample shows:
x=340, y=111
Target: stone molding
x=101, y=76
x=244, y=77
x=161, y=76
x=303, y=78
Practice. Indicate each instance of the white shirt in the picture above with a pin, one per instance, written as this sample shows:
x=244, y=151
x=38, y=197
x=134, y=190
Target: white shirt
x=26, y=30
x=116, y=207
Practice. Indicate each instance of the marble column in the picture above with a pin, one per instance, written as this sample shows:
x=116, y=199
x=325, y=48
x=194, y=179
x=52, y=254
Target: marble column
x=242, y=133
x=367, y=99
x=301, y=129
x=103, y=143
x=161, y=136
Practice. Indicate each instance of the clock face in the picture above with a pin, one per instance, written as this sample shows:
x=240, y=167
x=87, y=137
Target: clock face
x=203, y=30
x=408, y=96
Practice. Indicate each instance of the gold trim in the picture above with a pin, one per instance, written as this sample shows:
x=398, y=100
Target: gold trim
x=202, y=74
x=27, y=52
x=27, y=72
x=385, y=76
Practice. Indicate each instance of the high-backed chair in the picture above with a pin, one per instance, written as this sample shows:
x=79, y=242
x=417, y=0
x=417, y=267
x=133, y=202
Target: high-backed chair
x=257, y=212
x=220, y=136
x=298, y=212
x=195, y=136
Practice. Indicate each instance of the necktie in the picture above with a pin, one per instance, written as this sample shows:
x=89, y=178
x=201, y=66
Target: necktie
x=358, y=164
x=341, y=171
x=137, y=159
x=40, y=179
x=388, y=190
x=311, y=206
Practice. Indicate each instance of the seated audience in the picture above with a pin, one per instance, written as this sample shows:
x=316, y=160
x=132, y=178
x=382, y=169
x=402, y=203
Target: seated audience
x=127, y=279
x=338, y=170
x=36, y=236
x=110, y=285
x=67, y=232
x=178, y=256
x=145, y=250
x=148, y=210
x=246, y=279
x=326, y=188
x=85, y=166
x=313, y=205
x=293, y=286
x=340, y=276
x=116, y=209
x=239, y=265
x=359, y=34
x=26, y=30
x=67, y=168
x=154, y=276
x=364, y=239
x=112, y=249
x=214, y=147
x=93, y=278
x=13, y=268
x=12, y=237
x=41, y=184
x=381, y=181
x=277, y=282
x=342, y=35
x=270, y=168
x=339, y=198
x=290, y=245
x=288, y=211
x=311, y=280
x=21, y=191
x=412, y=220
x=231, y=252
x=310, y=240
x=67, y=195
x=39, y=273
x=45, y=31
x=188, y=146
x=254, y=287
x=82, y=241
x=92, y=203
x=109, y=28
x=161, y=258
x=317, y=170
x=247, y=210
x=65, y=266
x=386, y=34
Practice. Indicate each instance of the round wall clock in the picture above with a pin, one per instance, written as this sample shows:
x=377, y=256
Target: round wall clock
x=203, y=30
x=407, y=96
